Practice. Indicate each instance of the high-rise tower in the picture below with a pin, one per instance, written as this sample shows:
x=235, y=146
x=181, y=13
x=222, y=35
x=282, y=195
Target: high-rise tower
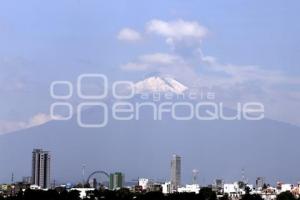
x=41, y=168
x=175, y=172
x=116, y=181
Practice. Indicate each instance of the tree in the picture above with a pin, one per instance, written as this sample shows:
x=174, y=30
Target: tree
x=153, y=195
x=252, y=197
x=224, y=197
x=73, y=195
x=123, y=194
x=207, y=194
x=286, y=196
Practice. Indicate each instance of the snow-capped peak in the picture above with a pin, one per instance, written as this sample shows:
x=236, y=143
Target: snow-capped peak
x=160, y=84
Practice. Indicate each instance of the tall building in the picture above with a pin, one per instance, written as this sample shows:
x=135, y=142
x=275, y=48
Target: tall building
x=219, y=183
x=175, y=172
x=116, y=181
x=259, y=183
x=40, y=168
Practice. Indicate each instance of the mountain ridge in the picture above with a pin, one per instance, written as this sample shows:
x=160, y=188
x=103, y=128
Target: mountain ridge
x=143, y=148
x=159, y=84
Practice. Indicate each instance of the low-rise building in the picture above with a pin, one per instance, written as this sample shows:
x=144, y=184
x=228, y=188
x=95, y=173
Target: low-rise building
x=144, y=183
x=286, y=187
x=166, y=187
x=195, y=188
x=83, y=191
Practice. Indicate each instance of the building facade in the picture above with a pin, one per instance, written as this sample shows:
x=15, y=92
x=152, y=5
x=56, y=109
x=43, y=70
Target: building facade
x=41, y=168
x=194, y=188
x=116, y=181
x=144, y=183
x=259, y=183
x=175, y=172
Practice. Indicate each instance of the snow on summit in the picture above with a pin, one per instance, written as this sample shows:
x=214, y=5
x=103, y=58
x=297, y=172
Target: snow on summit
x=159, y=84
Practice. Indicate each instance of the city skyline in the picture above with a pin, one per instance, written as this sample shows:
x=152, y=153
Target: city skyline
x=179, y=93
x=41, y=175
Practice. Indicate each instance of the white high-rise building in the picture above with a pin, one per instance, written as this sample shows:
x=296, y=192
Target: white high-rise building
x=175, y=172
x=41, y=168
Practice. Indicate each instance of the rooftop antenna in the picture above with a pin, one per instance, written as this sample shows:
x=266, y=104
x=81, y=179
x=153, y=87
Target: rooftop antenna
x=12, y=178
x=83, y=173
x=244, y=177
x=195, y=175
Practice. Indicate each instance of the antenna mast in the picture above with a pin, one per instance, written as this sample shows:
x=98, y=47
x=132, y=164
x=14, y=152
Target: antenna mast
x=195, y=175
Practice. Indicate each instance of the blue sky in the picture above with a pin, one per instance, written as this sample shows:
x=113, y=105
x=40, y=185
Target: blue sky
x=42, y=41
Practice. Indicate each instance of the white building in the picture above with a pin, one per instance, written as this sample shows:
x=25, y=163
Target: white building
x=233, y=189
x=190, y=188
x=286, y=187
x=166, y=188
x=83, y=191
x=35, y=187
x=251, y=187
x=144, y=182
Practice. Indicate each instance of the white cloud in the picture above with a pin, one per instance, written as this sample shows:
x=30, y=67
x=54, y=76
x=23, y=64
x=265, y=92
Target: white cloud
x=10, y=126
x=39, y=119
x=128, y=34
x=213, y=72
x=161, y=58
x=279, y=92
x=155, y=61
x=132, y=66
x=176, y=31
x=36, y=120
x=240, y=74
x=164, y=64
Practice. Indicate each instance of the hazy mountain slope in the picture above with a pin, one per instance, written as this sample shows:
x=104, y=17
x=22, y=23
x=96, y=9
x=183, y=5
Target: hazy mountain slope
x=143, y=148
